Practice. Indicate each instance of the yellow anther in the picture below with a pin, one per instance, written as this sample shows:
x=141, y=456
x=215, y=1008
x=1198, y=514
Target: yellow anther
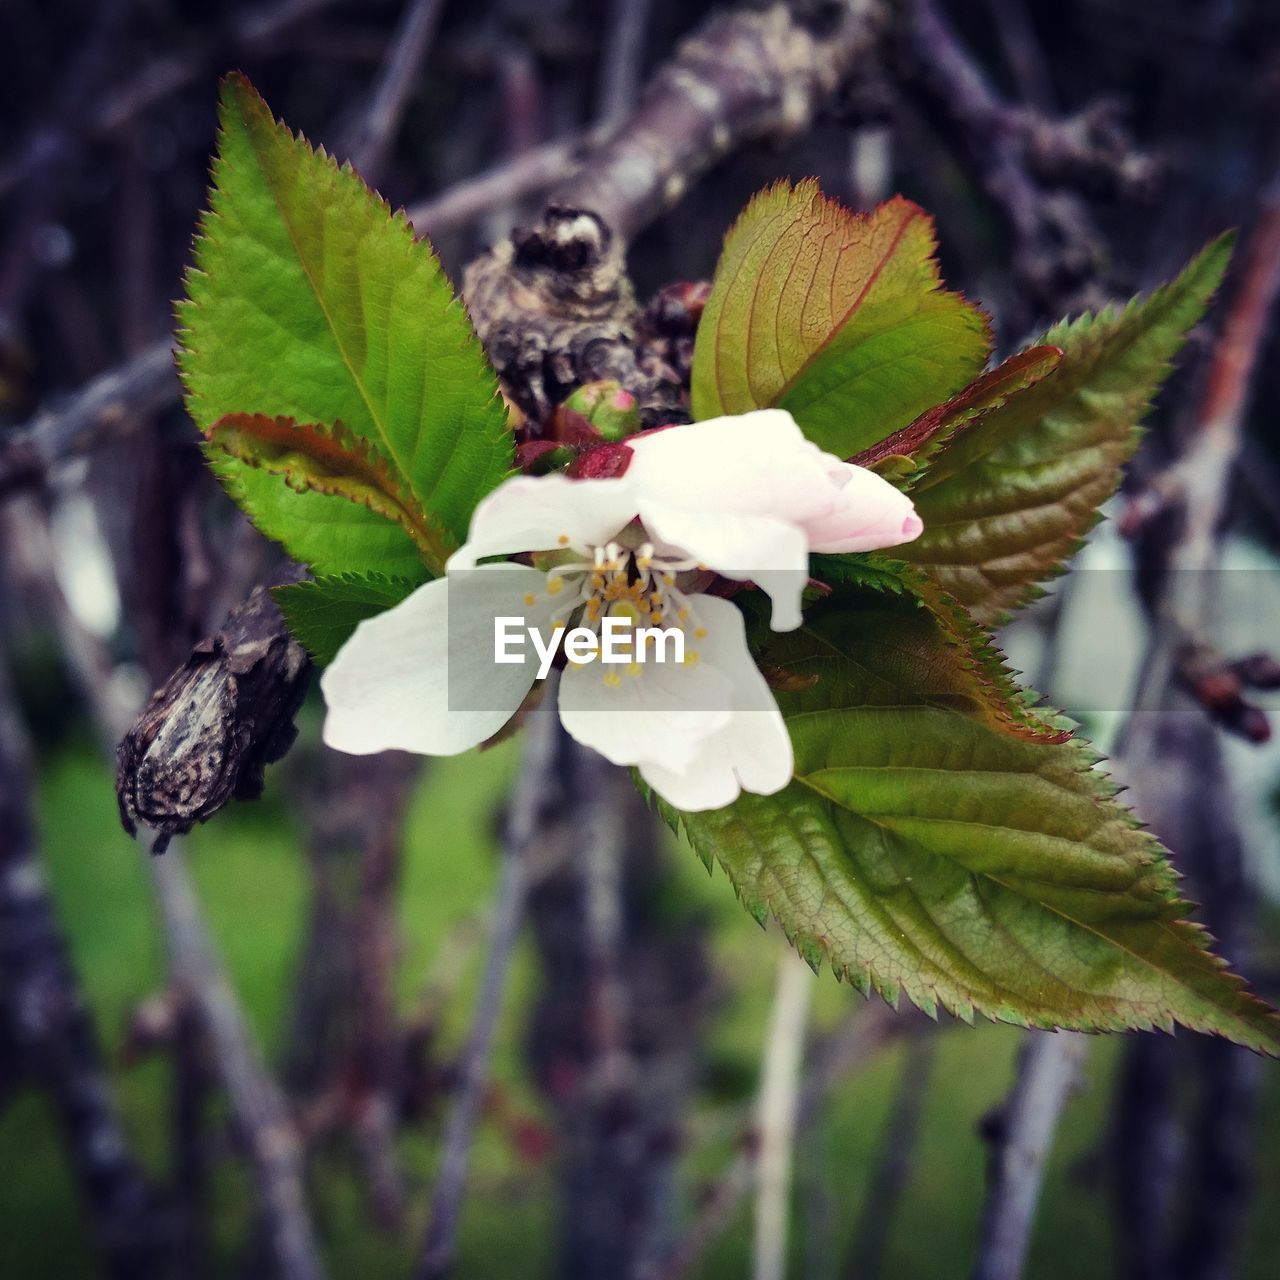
x=683, y=615
x=530, y=599
x=612, y=679
x=699, y=633
x=634, y=668
x=563, y=539
x=555, y=586
x=691, y=657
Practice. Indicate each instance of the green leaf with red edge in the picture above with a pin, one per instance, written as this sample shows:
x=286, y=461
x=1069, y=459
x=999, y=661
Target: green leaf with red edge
x=838, y=317
x=930, y=847
x=1009, y=493
x=309, y=301
x=907, y=451
x=330, y=460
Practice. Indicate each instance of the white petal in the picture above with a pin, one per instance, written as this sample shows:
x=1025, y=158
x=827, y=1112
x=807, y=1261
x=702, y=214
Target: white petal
x=661, y=713
x=760, y=464
x=705, y=784
x=762, y=549
x=541, y=513
x=753, y=751
x=871, y=513
x=756, y=463
x=421, y=677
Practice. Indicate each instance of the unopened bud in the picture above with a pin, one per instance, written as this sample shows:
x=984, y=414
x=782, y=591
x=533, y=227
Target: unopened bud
x=598, y=411
x=1260, y=670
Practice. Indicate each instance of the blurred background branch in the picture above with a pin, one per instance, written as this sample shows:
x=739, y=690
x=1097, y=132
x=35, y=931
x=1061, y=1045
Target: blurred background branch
x=577, y=1089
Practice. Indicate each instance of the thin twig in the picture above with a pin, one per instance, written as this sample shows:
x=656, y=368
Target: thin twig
x=1048, y=1068
x=1205, y=470
x=439, y=1246
x=713, y=1218
x=259, y=25
x=533, y=171
x=893, y=1163
x=410, y=44
x=868, y=1030
x=261, y=1114
x=601, y=865
x=776, y=1113
x=741, y=77
x=1024, y=161
x=1022, y=52
x=112, y=404
x=620, y=64
x=1143, y=1150
x=1219, y=428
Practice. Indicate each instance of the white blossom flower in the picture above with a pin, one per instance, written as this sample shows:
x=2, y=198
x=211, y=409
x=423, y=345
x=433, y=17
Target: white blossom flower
x=746, y=498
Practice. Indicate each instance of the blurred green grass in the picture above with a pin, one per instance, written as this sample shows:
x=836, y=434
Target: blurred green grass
x=250, y=874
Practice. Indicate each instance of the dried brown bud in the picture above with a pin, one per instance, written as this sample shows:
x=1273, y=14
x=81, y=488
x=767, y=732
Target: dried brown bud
x=554, y=309
x=216, y=723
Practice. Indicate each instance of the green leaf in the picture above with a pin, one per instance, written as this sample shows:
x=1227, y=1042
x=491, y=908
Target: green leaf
x=323, y=614
x=968, y=670
x=1010, y=494
x=312, y=457
x=838, y=317
x=925, y=848
x=310, y=301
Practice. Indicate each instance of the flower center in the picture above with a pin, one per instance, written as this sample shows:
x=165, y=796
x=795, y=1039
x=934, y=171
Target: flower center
x=636, y=585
